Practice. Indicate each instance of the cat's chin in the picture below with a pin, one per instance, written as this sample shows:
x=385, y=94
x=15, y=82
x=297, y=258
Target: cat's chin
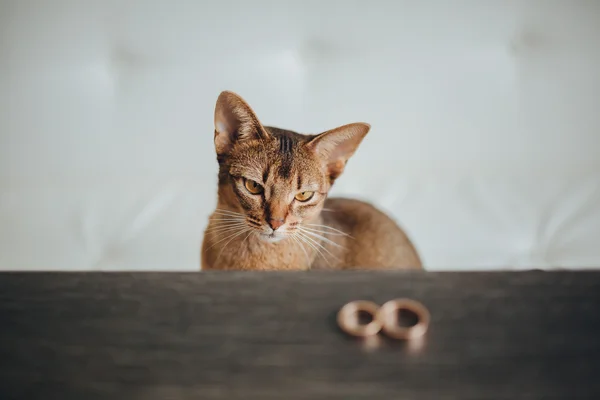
x=271, y=238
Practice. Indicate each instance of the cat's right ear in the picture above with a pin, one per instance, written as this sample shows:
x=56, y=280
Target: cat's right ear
x=335, y=147
x=235, y=121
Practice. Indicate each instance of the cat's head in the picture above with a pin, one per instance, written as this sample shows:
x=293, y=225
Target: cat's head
x=276, y=179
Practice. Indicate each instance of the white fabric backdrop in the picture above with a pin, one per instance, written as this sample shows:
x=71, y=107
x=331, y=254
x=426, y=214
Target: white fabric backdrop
x=485, y=140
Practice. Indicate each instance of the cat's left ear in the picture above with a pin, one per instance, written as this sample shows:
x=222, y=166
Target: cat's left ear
x=335, y=147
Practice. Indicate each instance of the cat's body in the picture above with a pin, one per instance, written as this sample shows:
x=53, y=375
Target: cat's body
x=273, y=212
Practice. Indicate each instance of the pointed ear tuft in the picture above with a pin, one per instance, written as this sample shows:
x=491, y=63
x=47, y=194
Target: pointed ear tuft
x=235, y=121
x=335, y=147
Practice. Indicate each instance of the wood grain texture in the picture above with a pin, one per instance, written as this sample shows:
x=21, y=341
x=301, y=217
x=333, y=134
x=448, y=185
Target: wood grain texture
x=519, y=335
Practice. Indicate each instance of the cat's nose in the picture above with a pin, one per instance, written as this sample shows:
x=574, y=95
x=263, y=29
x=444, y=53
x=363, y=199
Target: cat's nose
x=276, y=223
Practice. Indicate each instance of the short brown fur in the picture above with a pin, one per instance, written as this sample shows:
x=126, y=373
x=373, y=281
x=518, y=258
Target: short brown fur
x=273, y=212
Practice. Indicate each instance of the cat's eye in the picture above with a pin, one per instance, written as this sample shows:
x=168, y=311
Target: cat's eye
x=304, y=196
x=252, y=186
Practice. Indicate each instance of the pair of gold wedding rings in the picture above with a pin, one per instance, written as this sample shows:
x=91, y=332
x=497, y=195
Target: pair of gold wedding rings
x=383, y=318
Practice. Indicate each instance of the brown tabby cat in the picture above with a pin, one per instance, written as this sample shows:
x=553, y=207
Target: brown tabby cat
x=273, y=212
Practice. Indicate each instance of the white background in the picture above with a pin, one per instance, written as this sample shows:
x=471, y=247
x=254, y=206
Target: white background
x=485, y=140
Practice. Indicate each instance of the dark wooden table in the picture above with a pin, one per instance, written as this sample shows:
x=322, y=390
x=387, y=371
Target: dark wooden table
x=520, y=335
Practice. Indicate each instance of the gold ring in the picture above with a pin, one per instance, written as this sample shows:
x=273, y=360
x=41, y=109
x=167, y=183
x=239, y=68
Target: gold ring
x=348, y=318
x=387, y=315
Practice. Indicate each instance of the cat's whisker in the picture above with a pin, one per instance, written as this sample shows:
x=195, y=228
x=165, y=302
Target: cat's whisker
x=230, y=240
x=295, y=239
x=328, y=227
x=326, y=241
x=328, y=210
x=222, y=228
x=225, y=224
x=249, y=233
x=221, y=231
x=227, y=219
x=227, y=212
x=324, y=232
x=321, y=246
x=227, y=237
x=318, y=244
x=302, y=248
x=331, y=242
x=318, y=248
x=304, y=239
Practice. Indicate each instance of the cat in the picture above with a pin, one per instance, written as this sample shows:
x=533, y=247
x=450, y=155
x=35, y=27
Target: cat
x=273, y=212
